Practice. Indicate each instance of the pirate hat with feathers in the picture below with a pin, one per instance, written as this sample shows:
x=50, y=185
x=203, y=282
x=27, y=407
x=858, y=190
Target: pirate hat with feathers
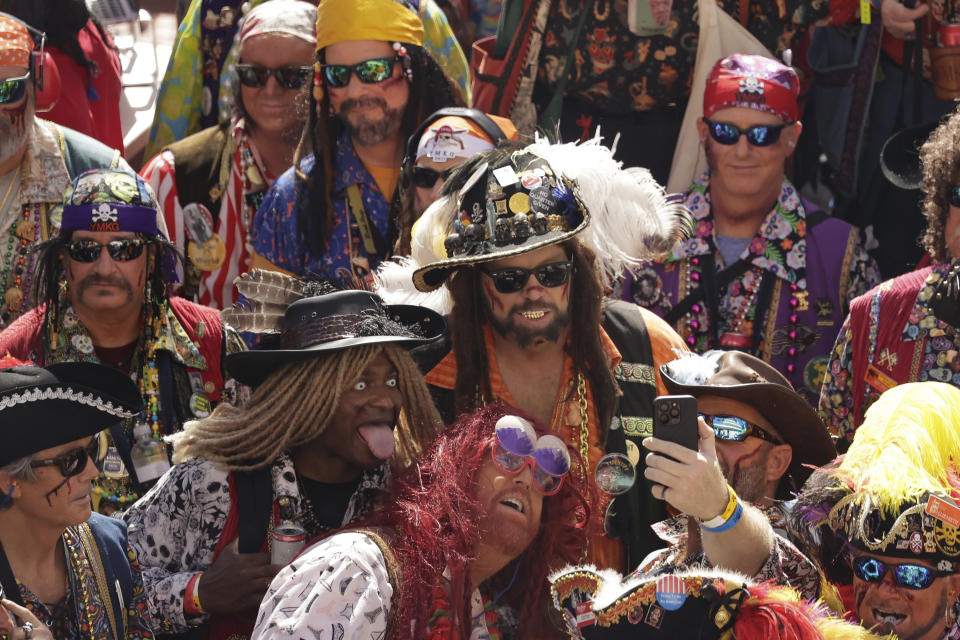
x=893, y=491
x=510, y=201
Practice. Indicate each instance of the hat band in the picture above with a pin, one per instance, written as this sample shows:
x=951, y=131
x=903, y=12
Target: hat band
x=109, y=216
x=60, y=393
x=315, y=331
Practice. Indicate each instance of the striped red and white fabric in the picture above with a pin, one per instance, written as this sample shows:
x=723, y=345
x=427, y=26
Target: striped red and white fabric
x=216, y=287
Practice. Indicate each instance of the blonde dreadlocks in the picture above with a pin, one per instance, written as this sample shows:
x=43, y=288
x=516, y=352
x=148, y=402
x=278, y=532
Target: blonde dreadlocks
x=296, y=404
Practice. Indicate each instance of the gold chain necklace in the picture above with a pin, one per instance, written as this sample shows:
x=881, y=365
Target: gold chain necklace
x=582, y=443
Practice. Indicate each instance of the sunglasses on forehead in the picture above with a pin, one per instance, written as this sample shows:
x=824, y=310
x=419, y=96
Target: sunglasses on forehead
x=119, y=250
x=73, y=462
x=762, y=135
x=736, y=428
x=12, y=90
x=515, y=279
x=909, y=576
x=255, y=76
x=369, y=71
x=517, y=447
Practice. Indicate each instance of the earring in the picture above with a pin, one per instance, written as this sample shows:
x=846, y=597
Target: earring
x=950, y=613
x=792, y=144
x=405, y=60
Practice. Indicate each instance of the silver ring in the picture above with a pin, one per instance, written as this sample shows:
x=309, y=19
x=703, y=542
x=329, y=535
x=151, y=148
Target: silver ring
x=663, y=492
x=27, y=630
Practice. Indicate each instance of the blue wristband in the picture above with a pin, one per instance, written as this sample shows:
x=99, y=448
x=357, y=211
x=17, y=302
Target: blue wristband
x=729, y=524
x=878, y=4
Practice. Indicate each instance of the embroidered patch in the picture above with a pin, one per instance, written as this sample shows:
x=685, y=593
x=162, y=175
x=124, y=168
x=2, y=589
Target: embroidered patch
x=888, y=359
x=637, y=426
x=814, y=371
x=824, y=307
x=945, y=535
x=806, y=337
x=635, y=372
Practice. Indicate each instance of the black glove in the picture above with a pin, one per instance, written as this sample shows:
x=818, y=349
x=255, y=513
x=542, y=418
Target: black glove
x=945, y=303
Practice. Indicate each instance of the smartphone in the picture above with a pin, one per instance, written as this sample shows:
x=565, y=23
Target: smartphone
x=675, y=420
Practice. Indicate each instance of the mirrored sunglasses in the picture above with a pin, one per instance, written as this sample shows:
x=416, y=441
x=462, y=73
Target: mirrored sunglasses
x=909, y=576
x=426, y=178
x=515, y=278
x=369, y=72
x=74, y=461
x=954, y=196
x=12, y=90
x=736, y=428
x=762, y=135
x=254, y=76
x=517, y=447
x=119, y=250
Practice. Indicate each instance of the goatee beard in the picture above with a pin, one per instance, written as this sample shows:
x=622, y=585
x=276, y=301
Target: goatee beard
x=525, y=336
x=367, y=131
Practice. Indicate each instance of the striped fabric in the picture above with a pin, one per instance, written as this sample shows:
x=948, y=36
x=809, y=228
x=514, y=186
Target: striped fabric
x=216, y=287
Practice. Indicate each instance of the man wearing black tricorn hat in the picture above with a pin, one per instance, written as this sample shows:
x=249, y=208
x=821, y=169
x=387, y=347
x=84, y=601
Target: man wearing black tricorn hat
x=67, y=574
x=337, y=402
x=525, y=241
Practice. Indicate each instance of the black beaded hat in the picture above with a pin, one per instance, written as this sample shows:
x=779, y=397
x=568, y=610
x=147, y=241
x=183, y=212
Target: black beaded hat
x=515, y=206
x=42, y=408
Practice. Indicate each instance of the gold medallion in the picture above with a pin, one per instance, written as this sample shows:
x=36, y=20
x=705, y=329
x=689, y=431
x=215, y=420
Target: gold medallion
x=26, y=230
x=519, y=203
x=209, y=255
x=14, y=299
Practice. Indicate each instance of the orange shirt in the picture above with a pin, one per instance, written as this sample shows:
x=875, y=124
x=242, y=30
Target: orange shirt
x=603, y=552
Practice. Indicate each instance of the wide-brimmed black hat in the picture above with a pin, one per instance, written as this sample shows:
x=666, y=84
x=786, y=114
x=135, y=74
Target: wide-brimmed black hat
x=318, y=325
x=900, y=156
x=47, y=407
x=748, y=379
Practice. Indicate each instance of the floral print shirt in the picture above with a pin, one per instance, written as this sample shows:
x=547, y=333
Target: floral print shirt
x=619, y=71
x=61, y=618
x=277, y=235
x=175, y=528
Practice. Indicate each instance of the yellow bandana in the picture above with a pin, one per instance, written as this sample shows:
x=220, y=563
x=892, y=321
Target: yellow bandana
x=387, y=20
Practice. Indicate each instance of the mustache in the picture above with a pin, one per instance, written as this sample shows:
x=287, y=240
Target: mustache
x=96, y=278
x=363, y=101
x=534, y=305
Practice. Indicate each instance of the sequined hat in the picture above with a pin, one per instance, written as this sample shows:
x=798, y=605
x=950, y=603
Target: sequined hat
x=47, y=407
x=511, y=201
x=694, y=605
x=896, y=491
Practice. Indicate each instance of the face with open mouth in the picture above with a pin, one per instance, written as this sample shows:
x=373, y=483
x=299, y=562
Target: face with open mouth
x=512, y=509
x=912, y=614
x=536, y=313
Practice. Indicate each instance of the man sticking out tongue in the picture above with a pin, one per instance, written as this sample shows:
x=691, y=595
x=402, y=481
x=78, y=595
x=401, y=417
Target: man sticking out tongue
x=337, y=401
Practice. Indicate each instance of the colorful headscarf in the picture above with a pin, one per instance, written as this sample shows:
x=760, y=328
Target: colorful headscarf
x=387, y=20
x=456, y=137
x=110, y=200
x=753, y=82
x=16, y=44
x=291, y=17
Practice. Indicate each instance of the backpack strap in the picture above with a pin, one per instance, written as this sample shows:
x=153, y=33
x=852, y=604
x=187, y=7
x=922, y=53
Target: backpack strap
x=254, y=504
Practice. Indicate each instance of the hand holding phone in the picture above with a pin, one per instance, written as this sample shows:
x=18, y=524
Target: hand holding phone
x=675, y=420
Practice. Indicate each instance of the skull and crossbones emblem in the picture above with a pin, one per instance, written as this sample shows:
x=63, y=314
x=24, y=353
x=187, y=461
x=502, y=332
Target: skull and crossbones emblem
x=104, y=213
x=751, y=84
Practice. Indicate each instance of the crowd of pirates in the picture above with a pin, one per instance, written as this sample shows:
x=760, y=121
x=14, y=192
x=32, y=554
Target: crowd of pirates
x=361, y=361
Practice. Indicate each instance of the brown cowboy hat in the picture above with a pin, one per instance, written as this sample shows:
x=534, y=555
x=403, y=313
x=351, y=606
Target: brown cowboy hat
x=747, y=379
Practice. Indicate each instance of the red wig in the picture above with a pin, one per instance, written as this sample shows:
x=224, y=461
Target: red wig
x=433, y=519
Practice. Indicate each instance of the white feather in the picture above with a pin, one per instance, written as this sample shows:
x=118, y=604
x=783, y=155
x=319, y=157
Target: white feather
x=694, y=369
x=632, y=221
x=393, y=282
x=431, y=229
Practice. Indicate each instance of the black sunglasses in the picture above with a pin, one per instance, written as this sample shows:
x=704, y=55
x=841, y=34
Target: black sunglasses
x=954, y=195
x=73, y=462
x=762, y=135
x=735, y=428
x=369, y=72
x=119, y=250
x=254, y=76
x=12, y=90
x=426, y=178
x=909, y=576
x=514, y=279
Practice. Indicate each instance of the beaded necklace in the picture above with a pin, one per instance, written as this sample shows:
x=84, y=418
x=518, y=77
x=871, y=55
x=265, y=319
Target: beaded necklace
x=254, y=188
x=76, y=569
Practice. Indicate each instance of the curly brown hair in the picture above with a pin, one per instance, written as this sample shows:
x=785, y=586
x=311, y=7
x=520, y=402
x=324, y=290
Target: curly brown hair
x=940, y=158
